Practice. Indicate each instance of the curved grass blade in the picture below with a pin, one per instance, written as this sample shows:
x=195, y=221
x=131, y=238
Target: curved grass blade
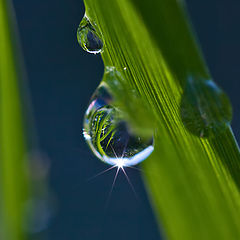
x=193, y=181
x=14, y=185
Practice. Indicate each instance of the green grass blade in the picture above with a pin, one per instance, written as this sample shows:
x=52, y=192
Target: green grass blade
x=13, y=172
x=193, y=181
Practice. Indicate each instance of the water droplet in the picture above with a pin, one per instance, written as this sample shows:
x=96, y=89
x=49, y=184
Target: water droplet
x=88, y=37
x=109, y=135
x=205, y=108
x=38, y=215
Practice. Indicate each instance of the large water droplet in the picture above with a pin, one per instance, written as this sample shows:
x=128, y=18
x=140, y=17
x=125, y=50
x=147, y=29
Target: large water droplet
x=109, y=135
x=205, y=108
x=88, y=37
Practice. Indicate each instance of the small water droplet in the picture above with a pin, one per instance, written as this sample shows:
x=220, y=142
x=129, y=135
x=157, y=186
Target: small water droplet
x=205, y=108
x=88, y=37
x=109, y=135
x=38, y=215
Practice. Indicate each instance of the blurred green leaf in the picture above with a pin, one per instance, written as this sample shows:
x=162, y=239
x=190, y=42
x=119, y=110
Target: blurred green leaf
x=13, y=167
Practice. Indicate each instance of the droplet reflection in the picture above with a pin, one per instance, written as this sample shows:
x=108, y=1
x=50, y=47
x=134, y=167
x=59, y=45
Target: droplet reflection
x=108, y=134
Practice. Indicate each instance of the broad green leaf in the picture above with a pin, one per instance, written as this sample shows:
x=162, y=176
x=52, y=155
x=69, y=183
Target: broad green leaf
x=193, y=175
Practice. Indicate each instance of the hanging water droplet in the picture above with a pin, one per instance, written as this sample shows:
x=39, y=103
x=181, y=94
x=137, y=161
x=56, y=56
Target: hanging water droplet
x=88, y=37
x=109, y=136
x=205, y=108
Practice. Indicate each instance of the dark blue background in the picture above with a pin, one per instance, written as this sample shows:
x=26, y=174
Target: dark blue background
x=62, y=77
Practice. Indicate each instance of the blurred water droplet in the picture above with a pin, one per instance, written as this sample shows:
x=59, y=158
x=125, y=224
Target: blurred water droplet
x=39, y=208
x=205, y=108
x=38, y=215
x=88, y=37
x=108, y=134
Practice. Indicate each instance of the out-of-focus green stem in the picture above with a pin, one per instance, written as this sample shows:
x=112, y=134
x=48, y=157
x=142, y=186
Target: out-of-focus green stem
x=13, y=166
